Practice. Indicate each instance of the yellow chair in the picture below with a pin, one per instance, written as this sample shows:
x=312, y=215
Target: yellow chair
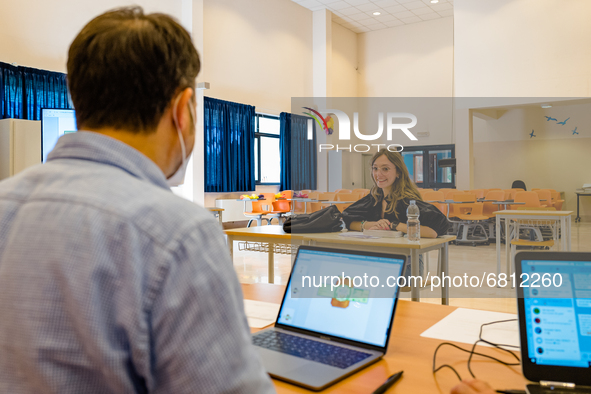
x=362, y=192
x=343, y=191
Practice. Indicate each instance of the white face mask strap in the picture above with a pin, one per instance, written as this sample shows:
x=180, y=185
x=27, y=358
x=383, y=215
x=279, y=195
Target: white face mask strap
x=178, y=128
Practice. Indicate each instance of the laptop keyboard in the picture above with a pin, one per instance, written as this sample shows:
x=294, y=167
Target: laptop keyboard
x=309, y=349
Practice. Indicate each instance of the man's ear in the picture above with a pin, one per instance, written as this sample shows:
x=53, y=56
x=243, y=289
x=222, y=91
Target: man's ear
x=182, y=112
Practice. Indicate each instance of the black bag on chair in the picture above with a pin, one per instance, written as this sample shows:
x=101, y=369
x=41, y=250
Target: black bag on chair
x=327, y=220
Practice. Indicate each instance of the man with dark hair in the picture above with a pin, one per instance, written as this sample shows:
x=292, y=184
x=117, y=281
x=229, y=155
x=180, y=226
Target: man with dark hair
x=108, y=282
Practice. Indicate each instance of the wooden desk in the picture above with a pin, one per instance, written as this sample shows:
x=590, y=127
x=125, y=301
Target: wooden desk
x=216, y=211
x=267, y=234
x=564, y=217
x=275, y=235
x=410, y=352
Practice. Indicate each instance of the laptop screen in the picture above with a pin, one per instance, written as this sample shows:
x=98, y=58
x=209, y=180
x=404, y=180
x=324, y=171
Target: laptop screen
x=358, y=313
x=557, y=306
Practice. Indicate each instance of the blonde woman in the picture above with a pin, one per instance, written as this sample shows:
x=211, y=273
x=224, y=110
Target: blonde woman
x=385, y=207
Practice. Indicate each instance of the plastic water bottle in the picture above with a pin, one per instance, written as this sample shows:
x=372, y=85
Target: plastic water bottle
x=413, y=225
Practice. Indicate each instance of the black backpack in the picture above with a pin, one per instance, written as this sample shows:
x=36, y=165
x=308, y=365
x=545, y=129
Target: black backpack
x=327, y=220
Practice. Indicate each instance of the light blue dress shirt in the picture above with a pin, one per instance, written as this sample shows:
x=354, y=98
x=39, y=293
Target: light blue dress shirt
x=109, y=283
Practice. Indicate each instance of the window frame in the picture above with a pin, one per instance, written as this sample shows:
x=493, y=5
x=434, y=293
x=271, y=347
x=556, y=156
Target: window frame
x=257, y=137
x=425, y=149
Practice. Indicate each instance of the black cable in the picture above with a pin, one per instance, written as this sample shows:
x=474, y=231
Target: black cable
x=474, y=353
x=495, y=345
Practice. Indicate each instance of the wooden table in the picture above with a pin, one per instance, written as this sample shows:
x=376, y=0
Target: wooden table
x=275, y=235
x=564, y=217
x=216, y=211
x=410, y=352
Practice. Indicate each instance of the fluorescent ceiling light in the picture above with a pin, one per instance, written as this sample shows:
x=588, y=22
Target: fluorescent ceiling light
x=377, y=13
x=434, y=1
x=546, y=106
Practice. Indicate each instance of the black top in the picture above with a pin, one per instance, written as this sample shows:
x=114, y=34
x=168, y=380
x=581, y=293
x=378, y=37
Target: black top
x=367, y=209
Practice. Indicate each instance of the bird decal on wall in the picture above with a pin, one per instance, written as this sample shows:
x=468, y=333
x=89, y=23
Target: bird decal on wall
x=532, y=134
x=575, y=130
x=563, y=122
x=549, y=118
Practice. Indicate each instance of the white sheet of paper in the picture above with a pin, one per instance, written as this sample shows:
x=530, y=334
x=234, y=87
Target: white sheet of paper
x=260, y=313
x=463, y=325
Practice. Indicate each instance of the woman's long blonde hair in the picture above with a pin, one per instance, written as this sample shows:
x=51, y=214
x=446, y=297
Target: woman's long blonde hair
x=402, y=187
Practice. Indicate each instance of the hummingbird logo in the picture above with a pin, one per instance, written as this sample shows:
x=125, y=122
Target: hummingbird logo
x=326, y=124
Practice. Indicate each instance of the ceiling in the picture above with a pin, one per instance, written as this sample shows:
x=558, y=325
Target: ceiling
x=357, y=15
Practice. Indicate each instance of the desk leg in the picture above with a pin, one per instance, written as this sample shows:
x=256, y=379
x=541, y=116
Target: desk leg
x=508, y=238
x=578, y=218
x=568, y=232
x=498, y=245
x=271, y=262
x=231, y=247
x=414, y=271
x=444, y=269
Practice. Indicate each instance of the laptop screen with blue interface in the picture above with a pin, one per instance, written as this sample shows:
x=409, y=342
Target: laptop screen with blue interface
x=557, y=306
x=350, y=312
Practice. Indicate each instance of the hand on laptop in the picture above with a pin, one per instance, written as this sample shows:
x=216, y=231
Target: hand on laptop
x=472, y=387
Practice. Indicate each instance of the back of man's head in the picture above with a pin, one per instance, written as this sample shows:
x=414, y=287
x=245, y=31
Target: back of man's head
x=125, y=67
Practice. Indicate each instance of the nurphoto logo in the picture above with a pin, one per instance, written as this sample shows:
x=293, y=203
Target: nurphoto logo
x=327, y=124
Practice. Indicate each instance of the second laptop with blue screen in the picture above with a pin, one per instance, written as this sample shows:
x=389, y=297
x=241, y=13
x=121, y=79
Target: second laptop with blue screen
x=335, y=317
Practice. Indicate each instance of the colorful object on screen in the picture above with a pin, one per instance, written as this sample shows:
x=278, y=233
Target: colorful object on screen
x=549, y=118
x=575, y=130
x=532, y=134
x=326, y=124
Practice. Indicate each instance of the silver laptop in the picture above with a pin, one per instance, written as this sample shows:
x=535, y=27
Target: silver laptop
x=330, y=324
x=554, y=303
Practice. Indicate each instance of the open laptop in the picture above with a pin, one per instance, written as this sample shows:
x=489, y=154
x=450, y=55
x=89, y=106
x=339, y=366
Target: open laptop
x=554, y=303
x=322, y=333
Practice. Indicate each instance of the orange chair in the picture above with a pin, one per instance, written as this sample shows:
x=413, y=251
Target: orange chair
x=287, y=193
x=343, y=191
x=556, y=201
x=423, y=191
x=317, y=206
x=530, y=199
x=436, y=196
x=469, y=216
x=281, y=209
x=313, y=195
x=545, y=197
x=346, y=197
x=257, y=213
x=479, y=193
x=362, y=192
x=448, y=193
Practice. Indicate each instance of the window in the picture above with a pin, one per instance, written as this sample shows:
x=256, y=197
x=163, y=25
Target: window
x=422, y=163
x=267, y=167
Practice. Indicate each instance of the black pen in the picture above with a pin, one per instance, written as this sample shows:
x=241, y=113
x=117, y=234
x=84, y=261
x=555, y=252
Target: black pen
x=388, y=383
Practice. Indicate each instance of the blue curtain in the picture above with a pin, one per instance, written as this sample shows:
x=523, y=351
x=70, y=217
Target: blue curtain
x=299, y=159
x=11, y=92
x=24, y=91
x=229, y=146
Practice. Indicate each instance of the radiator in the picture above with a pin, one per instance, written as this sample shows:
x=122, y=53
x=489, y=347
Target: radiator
x=233, y=210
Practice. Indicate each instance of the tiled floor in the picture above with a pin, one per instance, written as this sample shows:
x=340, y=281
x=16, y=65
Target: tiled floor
x=251, y=267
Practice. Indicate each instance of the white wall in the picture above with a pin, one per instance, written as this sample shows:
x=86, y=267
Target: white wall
x=344, y=66
x=259, y=52
x=413, y=60
x=555, y=158
x=522, y=48
x=38, y=34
